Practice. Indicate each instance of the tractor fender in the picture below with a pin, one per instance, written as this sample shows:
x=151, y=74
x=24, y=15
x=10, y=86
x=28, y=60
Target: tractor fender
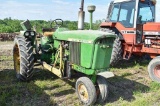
x=106, y=74
x=120, y=36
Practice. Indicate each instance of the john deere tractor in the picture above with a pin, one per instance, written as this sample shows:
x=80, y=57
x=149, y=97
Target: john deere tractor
x=63, y=52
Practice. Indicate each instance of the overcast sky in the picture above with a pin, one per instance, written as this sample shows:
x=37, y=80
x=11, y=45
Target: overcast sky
x=52, y=9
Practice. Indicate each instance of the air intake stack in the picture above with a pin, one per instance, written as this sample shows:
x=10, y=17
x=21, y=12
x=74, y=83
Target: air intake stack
x=91, y=9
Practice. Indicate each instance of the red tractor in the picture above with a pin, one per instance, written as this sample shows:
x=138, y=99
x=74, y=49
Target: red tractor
x=133, y=21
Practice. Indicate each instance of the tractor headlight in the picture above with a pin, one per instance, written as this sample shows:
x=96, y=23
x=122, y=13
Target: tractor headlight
x=26, y=34
x=29, y=34
x=32, y=33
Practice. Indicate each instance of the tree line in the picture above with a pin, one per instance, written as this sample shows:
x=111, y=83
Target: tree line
x=9, y=25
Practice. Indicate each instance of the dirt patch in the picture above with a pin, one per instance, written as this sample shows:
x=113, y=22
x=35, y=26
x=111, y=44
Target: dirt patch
x=6, y=45
x=6, y=59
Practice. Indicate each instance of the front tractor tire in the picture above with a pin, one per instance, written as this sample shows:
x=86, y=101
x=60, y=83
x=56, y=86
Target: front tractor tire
x=86, y=91
x=116, y=55
x=154, y=69
x=102, y=91
x=23, y=58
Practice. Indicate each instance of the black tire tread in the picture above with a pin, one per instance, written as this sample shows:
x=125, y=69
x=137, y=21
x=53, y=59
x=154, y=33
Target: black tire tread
x=26, y=58
x=116, y=52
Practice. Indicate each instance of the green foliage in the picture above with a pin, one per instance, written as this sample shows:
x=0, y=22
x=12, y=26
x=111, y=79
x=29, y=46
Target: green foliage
x=9, y=25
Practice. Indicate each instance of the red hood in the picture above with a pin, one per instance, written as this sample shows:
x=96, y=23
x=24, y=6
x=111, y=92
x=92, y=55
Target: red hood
x=151, y=26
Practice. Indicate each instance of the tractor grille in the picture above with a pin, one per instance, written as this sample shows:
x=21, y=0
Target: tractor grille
x=75, y=52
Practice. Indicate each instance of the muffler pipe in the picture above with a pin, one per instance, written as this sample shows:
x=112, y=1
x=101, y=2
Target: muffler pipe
x=81, y=17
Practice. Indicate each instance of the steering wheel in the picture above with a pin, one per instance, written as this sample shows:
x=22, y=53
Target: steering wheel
x=58, y=22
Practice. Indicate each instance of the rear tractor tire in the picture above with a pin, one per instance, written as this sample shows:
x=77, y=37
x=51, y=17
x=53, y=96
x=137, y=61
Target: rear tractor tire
x=23, y=58
x=116, y=55
x=154, y=69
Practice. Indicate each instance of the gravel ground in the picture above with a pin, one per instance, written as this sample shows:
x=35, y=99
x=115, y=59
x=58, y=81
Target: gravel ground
x=6, y=59
x=6, y=45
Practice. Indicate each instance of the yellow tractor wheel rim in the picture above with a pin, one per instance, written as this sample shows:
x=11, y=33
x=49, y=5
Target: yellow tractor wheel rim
x=16, y=58
x=82, y=90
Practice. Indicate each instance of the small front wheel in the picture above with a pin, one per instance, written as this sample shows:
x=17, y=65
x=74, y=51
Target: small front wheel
x=154, y=69
x=102, y=90
x=86, y=91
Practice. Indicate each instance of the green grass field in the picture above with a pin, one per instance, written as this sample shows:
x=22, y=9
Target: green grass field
x=131, y=86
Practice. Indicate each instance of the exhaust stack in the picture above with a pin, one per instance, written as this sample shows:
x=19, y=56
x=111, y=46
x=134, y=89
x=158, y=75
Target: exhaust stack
x=91, y=9
x=81, y=17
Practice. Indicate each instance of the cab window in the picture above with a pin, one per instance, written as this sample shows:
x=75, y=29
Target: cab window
x=126, y=16
x=115, y=13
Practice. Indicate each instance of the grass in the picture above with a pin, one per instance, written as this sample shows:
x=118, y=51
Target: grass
x=134, y=87
x=45, y=89
x=131, y=86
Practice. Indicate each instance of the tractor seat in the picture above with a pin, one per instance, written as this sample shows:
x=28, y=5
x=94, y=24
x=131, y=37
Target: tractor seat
x=47, y=32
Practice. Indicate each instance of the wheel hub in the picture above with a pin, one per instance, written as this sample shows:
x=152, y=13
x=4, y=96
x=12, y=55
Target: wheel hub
x=83, y=92
x=16, y=59
x=157, y=71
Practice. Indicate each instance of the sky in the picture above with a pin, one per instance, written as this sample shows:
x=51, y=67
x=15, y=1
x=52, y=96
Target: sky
x=52, y=9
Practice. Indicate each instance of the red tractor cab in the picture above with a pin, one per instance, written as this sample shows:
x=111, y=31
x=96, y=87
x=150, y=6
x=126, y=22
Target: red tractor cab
x=137, y=32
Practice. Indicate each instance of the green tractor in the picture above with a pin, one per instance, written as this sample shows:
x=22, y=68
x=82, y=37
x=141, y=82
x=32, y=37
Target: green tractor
x=63, y=52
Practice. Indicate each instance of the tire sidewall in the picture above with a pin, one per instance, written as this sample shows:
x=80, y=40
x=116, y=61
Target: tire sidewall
x=16, y=42
x=103, y=89
x=154, y=62
x=91, y=91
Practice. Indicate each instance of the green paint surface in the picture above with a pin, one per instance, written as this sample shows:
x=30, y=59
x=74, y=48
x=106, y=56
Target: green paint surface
x=86, y=55
x=84, y=36
x=83, y=70
x=102, y=54
x=95, y=48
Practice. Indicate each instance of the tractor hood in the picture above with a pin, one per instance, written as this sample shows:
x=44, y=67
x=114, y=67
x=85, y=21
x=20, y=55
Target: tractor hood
x=150, y=26
x=85, y=36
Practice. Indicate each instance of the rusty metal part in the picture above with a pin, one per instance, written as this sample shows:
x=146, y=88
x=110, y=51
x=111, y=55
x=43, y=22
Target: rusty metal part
x=47, y=34
x=82, y=5
x=11, y=36
x=52, y=69
x=157, y=71
x=82, y=90
x=16, y=58
x=7, y=36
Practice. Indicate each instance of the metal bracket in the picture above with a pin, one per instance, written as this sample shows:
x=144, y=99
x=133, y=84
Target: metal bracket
x=106, y=74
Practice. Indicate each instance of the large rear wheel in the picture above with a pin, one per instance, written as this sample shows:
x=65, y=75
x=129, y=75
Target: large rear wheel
x=154, y=69
x=23, y=58
x=116, y=52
